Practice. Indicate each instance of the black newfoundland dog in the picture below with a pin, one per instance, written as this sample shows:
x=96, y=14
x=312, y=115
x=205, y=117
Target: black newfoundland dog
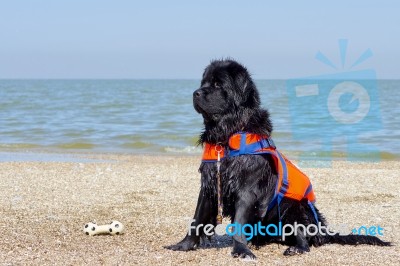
x=229, y=102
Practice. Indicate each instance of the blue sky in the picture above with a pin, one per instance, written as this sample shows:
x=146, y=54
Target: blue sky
x=177, y=39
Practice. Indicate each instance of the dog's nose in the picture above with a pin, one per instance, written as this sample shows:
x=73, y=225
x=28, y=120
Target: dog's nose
x=197, y=93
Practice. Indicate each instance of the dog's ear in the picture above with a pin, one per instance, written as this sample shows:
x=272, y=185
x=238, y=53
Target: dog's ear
x=242, y=77
x=248, y=90
x=243, y=82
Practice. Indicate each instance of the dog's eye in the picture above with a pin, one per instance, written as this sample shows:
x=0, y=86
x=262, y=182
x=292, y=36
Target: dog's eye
x=217, y=84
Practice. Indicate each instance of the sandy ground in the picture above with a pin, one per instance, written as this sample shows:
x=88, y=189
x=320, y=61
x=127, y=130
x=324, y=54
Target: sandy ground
x=44, y=206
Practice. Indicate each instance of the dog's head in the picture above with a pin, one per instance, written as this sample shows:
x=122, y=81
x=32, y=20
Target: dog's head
x=226, y=87
x=229, y=102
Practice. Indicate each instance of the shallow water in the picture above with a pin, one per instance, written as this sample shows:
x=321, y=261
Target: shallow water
x=156, y=116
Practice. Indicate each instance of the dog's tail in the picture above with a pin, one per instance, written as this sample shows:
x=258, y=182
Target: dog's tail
x=355, y=240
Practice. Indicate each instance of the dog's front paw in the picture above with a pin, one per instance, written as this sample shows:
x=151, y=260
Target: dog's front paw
x=185, y=245
x=291, y=251
x=243, y=252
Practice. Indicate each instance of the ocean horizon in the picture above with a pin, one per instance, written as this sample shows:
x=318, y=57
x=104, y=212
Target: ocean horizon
x=156, y=116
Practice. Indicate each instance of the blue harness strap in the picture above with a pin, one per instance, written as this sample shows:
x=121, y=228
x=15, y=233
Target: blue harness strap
x=281, y=193
x=314, y=211
x=252, y=148
x=243, y=147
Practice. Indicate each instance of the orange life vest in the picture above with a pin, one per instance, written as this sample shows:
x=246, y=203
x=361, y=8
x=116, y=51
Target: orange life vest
x=292, y=182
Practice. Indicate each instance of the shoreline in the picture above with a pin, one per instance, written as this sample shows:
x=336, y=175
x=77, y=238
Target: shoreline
x=45, y=205
x=73, y=155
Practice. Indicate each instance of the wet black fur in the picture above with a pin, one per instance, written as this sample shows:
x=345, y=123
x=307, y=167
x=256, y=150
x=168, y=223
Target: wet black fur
x=229, y=102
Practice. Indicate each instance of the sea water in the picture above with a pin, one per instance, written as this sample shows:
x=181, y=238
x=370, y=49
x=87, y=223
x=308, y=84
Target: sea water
x=153, y=116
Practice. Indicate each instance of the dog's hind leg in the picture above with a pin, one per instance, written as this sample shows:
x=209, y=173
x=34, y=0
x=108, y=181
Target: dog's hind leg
x=301, y=243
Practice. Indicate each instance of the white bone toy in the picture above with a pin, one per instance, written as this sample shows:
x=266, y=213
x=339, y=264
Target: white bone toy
x=114, y=228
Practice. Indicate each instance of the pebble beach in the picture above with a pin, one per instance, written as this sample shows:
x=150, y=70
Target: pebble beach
x=45, y=205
